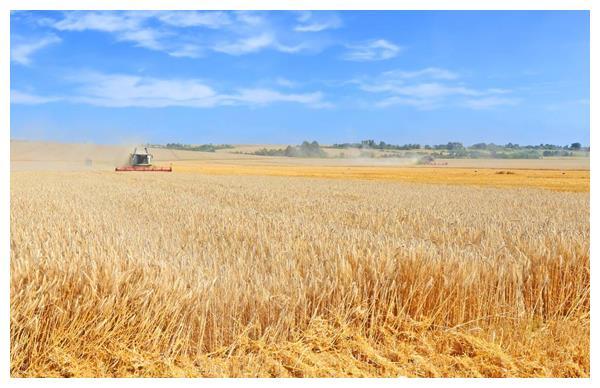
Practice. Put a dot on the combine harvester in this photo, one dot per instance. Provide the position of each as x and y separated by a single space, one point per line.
142 161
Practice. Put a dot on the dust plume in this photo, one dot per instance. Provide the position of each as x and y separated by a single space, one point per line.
52 156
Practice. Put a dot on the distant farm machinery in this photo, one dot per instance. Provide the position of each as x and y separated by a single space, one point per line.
142 161
429 160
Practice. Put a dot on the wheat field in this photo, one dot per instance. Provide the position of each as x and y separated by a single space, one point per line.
187 274
552 179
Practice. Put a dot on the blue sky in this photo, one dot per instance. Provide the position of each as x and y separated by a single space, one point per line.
424 77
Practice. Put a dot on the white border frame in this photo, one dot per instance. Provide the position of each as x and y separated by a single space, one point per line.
7 5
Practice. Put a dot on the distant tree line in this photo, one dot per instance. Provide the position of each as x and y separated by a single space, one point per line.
450 150
304 150
200 147
465 153
457 146
511 146
371 144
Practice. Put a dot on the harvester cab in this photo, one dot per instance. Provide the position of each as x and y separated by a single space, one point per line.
142 161
141 158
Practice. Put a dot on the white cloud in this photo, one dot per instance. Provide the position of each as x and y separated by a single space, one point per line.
187 50
21 52
376 50
123 90
285 82
176 32
291 49
246 45
423 90
418 83
498 91
251 18
24 98
397 100
430 72
126 26
315 27
182 19
257 43
490 102
430 88
267 96
143 37
117 90
100 21
315 22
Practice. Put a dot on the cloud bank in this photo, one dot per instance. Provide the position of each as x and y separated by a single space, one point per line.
123 90
22 51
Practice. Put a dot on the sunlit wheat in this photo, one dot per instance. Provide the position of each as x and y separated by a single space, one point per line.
191 275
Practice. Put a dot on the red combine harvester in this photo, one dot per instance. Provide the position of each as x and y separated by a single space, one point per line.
142 161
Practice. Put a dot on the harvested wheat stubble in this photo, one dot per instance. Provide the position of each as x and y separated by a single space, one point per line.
191 275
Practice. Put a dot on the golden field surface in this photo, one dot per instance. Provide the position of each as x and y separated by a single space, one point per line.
558 180
255 269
